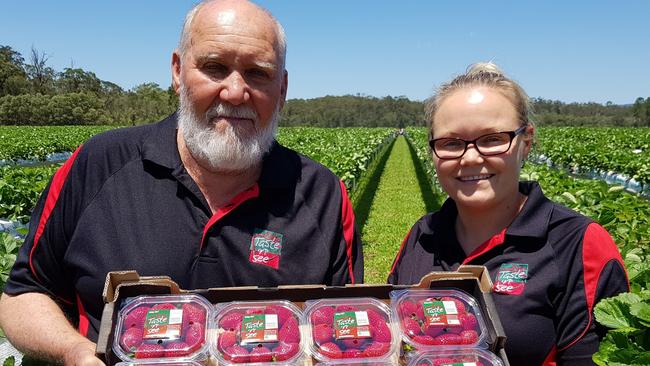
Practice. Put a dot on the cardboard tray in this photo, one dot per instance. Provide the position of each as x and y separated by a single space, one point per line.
474 280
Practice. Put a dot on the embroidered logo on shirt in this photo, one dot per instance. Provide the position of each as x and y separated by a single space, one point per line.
511 279
266 248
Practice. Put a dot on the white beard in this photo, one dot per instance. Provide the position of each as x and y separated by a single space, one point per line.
234 149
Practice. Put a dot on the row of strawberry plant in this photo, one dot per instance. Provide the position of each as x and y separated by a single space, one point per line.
37 142
597 151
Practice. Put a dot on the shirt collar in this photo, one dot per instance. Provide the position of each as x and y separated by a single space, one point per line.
160 146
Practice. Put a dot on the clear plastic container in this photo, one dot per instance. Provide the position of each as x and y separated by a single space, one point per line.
467 357
257 333
351 329
439 319
170 328
159 363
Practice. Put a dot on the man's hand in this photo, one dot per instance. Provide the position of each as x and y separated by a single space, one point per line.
82 354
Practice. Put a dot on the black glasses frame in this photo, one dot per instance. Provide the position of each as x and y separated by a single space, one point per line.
512 134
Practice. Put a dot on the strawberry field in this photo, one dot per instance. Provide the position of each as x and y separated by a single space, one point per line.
585 152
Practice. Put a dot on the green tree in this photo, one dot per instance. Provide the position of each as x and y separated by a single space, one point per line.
13 78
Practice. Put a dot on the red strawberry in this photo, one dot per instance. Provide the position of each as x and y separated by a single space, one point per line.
282 312
163 306
469 337
231 321
194 336
443 361
226 339
375 317
290 331
345 308
131 339
447 339
136 317
322 333
468 321
460 305
236 354
407 309
411 327
284 351
434 330
322 315
260 354
177 349
330 350
419 309
193 313
352 353
376 349
149 350
356 343
424 339
380 332
255 311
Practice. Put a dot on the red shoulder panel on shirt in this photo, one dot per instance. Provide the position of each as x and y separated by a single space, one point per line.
347 219
399 253
52 197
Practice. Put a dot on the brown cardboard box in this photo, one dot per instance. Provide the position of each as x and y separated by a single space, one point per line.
474 280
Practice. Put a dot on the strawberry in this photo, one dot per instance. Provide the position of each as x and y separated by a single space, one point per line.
282 312
322 333
444 361
260 354
290 331
469 337
424 339
149 350
407 309
236 354
163 306
345 308
136 317
468 321
193 313
375 317
131 339
447 339
226 339
356 343
322 315
177 349
419 309
284 351
352 353
330 350
434 330
376 349
411 327
231 321
194 336
460 305
380 332
254 311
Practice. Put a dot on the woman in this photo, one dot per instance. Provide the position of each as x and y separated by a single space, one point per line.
549 264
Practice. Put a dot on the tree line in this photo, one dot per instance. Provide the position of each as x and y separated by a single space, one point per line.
33 93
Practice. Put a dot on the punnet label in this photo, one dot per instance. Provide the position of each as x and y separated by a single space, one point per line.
351 325
259 328
163 323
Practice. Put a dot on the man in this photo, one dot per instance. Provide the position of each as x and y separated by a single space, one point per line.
219 203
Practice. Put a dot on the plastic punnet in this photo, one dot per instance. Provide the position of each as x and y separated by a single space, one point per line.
170 328
257 333
467 357
350 329
438 319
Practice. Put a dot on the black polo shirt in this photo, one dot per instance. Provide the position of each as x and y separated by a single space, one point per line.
549 268
124 201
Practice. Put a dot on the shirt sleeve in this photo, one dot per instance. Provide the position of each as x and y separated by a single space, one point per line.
349 266
603 275
39 266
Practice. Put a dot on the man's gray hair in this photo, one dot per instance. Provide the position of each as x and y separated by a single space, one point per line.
185 41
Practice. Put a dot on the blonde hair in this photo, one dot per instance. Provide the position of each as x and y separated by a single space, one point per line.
485 74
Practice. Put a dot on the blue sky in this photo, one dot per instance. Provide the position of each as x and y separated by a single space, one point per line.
574 51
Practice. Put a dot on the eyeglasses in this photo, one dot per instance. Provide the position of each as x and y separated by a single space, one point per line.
486 145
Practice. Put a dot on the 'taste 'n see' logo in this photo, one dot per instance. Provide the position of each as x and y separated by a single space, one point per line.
266 248
511 279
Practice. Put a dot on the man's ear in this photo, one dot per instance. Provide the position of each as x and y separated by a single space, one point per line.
283 90
176 71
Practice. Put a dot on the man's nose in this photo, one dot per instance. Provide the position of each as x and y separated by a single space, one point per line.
234 89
